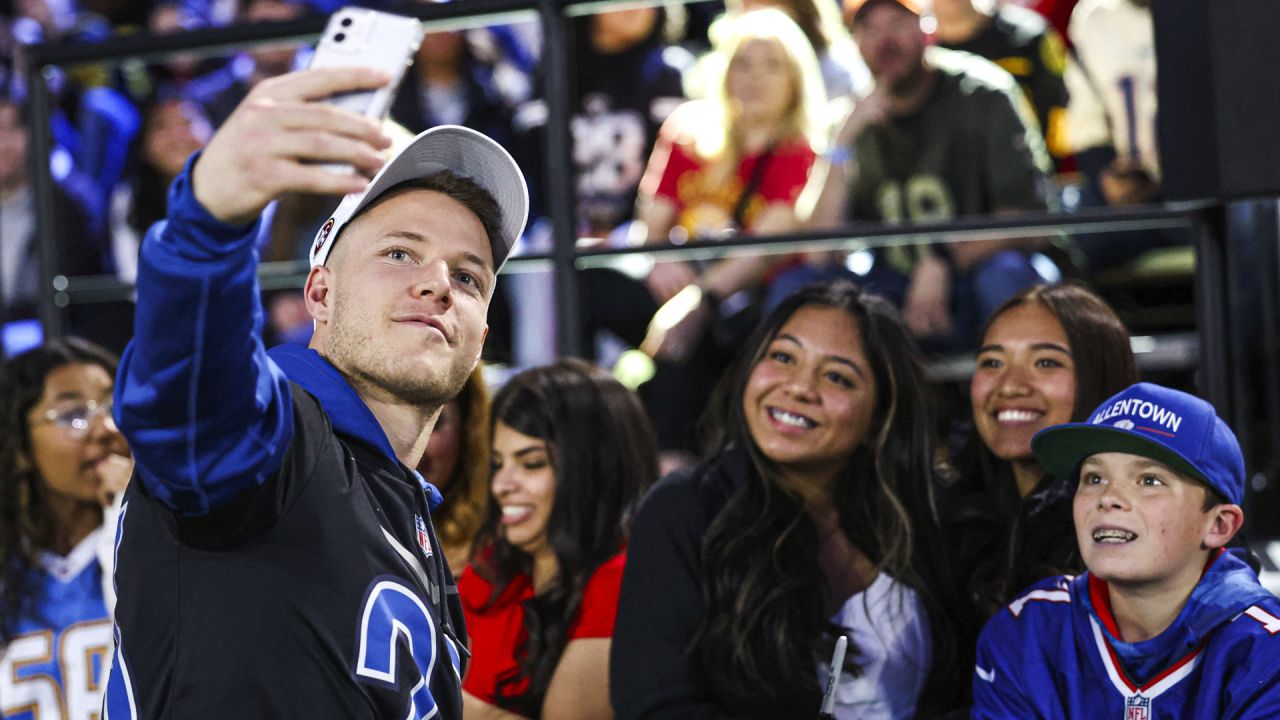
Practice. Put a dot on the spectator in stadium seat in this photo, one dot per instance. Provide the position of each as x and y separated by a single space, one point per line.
449 85
173 128
63 469
1022 42
627 80
80 243
1111 121
1050 355
843 72
945 134
813 517
734 162
572 453
456 461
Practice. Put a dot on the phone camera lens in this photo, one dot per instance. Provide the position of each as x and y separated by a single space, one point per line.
346 22
339 37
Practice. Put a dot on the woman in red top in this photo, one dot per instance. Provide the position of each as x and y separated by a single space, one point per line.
572 452
734 161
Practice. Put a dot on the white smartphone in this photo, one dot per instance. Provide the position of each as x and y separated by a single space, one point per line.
359 37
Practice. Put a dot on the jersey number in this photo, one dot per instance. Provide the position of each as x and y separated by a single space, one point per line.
81 658
1269 622
393 615
922 198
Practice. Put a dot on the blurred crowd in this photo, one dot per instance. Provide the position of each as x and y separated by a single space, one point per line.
689 121
829 499
811 481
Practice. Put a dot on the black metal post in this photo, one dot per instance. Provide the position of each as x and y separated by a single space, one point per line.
1265 500
53 318
558 167
1213 310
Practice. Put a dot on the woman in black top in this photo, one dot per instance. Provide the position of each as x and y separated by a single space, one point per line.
1049 355
742 570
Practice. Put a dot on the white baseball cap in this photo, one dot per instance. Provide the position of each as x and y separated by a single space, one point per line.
464 152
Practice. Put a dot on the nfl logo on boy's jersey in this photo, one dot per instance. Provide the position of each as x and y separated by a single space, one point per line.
424 538
1137 707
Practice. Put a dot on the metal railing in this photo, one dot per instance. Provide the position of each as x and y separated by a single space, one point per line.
1221 370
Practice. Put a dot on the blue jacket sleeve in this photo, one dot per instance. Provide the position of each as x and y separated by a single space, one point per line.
1248 674
998 692
206 413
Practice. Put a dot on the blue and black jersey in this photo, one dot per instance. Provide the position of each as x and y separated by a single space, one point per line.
274 558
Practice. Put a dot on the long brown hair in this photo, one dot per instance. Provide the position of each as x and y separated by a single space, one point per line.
1098 338
1041 544
761 581
25 526
466 497
604 454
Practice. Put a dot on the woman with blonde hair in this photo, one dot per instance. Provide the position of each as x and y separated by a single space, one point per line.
764 102
456 462
843 72
734 161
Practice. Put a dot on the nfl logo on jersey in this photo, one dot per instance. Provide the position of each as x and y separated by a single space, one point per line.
1137 708
424 540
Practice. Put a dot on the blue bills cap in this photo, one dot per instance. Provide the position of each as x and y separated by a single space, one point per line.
1169 426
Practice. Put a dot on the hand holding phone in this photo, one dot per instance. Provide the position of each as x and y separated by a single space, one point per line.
359 37
296 141
282 137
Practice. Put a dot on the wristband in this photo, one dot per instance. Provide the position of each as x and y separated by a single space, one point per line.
840 156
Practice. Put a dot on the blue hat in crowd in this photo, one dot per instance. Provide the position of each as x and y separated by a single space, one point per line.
1169 426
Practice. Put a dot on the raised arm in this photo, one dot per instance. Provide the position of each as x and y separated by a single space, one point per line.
827 196
206 413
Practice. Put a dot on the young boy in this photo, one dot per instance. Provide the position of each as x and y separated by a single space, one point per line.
1165 623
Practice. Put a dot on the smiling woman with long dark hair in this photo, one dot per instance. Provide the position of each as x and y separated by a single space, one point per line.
1049 355
572 453
813 518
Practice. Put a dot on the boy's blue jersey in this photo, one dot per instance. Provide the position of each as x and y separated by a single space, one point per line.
55 667
1055 653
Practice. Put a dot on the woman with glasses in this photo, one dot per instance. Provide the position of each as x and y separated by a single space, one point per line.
63 466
